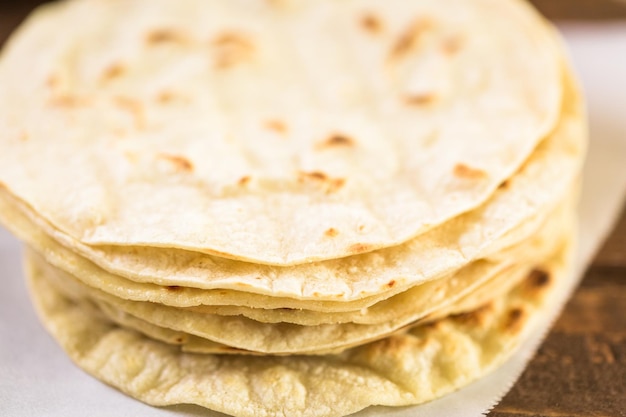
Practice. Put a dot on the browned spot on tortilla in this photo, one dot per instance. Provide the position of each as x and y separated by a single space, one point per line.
431 322
134 108
165 35
113 71
231 48
391 283
332 232
165 96
514 320
335 184
315 175
357 248
243 181
180 163
173 288
477 317
539 278
361 227
464 171
537 282
395 345
504 184
371 23
68 100
276 125
336 141
452 45
409 38
326 183
179 340
421 99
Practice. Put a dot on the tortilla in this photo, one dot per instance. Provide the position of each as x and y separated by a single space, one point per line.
320 333
419 365
511 215
369 310
289 132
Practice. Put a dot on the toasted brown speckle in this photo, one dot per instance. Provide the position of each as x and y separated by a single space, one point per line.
391 283
243 181
371 23
477 317
165 35
67 100
326 183
410 37
173 288
231 48
420 99
359 248
180 163
335 141
514 320
165 96
504 184
396 344
113 71
336 184
467 172
276 125
537 282
315 175
332 232
431 323
539 278
179 340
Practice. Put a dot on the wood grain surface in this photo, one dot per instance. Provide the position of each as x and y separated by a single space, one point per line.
580 370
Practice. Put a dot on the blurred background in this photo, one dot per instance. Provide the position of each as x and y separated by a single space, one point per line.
12 11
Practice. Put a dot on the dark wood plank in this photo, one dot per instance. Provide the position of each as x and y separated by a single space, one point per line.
582 9
580 370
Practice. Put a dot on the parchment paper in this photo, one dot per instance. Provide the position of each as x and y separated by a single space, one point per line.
37 378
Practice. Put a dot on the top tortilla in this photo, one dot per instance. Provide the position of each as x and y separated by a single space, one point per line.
271 132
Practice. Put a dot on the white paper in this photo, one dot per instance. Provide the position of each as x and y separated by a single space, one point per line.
37 378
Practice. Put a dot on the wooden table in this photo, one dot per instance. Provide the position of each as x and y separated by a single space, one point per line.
580 370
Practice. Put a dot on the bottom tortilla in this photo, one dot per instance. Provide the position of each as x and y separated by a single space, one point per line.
419 365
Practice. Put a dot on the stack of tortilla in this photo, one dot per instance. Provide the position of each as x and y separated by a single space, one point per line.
290 207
